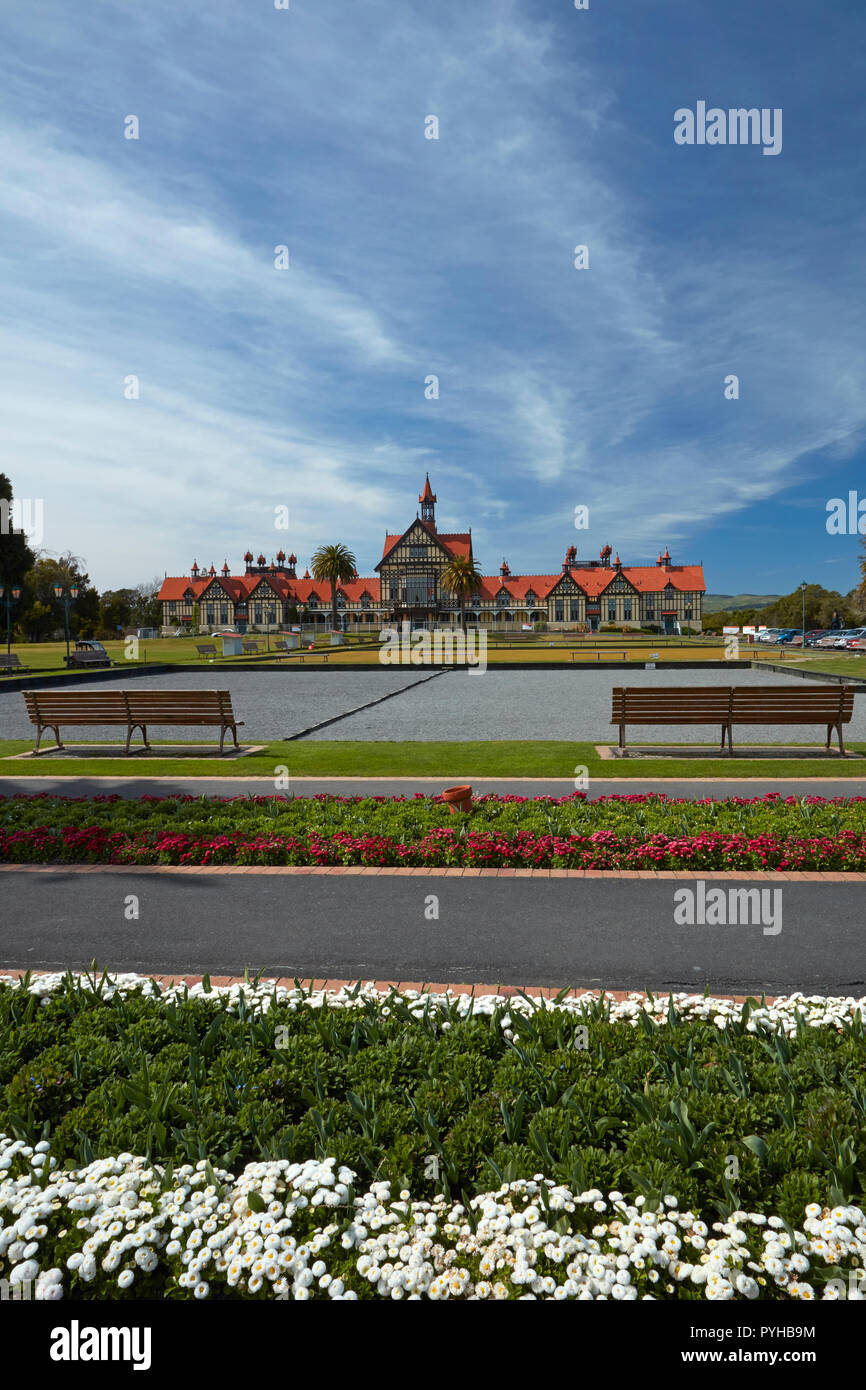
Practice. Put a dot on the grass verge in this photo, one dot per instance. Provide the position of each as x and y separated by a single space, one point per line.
357 758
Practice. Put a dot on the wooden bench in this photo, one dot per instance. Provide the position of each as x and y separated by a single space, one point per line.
251 647
831 705
134 709
11 663
206 649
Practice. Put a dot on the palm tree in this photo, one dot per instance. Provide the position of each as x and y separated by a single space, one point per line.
333 564
462 577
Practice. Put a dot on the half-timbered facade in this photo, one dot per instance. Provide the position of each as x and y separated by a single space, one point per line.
585 594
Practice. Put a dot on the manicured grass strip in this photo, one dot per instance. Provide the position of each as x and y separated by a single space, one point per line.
482 758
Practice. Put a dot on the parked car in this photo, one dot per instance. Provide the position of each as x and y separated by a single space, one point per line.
790 634
813 637
850 635
857 644
768 635
829 641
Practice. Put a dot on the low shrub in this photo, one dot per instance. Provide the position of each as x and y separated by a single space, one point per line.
646 831
443 1094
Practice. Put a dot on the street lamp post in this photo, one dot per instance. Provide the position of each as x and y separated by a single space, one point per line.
9 599
803 593
66 601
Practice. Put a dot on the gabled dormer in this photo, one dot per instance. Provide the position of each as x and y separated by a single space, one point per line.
216 590
263 590
619 584
566 584
422 543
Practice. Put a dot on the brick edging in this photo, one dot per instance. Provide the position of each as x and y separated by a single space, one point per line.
420 986
767 875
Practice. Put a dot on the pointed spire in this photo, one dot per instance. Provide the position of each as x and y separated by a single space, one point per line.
428 499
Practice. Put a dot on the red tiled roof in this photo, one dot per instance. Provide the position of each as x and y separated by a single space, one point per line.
645 579
354 588
175 588
455 542
233 587
458 542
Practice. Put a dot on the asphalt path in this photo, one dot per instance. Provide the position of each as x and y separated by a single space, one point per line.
613 934
407 786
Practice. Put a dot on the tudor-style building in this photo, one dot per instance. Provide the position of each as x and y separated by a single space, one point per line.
584 594
410 570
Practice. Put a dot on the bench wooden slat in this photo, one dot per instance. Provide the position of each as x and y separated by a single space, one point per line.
729 705
132 708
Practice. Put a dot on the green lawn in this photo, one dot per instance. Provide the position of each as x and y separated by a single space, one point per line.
834 665
306 758
45 658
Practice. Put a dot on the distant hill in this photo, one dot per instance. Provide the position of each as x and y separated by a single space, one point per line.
730 603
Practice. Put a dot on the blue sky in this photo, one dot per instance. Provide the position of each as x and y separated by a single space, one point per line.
409 257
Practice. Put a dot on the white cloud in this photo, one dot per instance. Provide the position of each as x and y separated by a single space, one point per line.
408 256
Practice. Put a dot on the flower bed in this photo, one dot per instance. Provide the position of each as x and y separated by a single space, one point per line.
123 1228
617 832
446 1097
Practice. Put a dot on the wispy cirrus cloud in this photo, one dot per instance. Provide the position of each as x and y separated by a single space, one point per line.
409 257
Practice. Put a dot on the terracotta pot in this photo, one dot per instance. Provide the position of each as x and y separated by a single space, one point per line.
458 799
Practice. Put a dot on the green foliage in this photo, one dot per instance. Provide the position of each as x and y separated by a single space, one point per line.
16 556
648 1110
407 819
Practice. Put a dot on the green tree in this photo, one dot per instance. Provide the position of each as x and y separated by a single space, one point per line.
787 611
115 610
462 577
146 609
42 613
16 557
333 564
821 603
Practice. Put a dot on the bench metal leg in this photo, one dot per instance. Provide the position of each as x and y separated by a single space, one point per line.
234 733
829 736
40 729
622 737
129 733
841 741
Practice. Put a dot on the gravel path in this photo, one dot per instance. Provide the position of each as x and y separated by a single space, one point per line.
458 706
